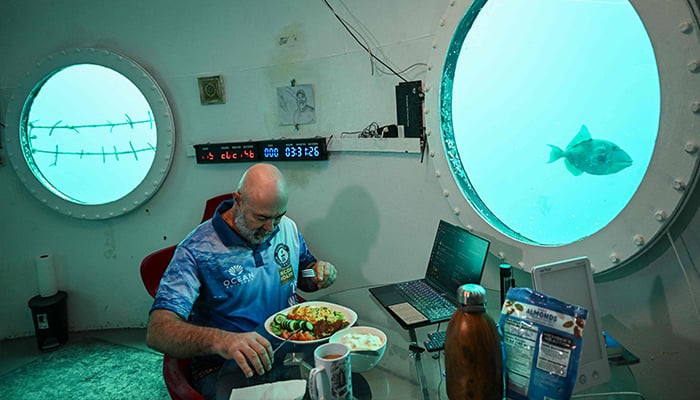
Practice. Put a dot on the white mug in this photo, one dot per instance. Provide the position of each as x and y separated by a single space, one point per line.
331 379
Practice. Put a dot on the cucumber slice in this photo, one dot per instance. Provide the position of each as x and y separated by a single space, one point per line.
279 319
295 325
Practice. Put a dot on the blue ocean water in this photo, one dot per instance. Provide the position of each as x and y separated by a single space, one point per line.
90 136
531 74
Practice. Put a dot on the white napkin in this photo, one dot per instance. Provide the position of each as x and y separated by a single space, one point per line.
284 390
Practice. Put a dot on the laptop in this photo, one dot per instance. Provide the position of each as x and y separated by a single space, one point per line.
572 281
457 258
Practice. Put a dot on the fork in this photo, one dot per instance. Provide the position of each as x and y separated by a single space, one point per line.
284 341
308 273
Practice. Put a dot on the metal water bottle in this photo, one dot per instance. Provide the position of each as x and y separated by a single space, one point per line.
473 358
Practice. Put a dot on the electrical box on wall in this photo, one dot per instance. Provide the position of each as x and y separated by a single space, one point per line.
409 107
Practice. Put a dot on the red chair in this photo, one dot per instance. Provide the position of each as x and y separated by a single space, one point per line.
212 203
176 372
153 266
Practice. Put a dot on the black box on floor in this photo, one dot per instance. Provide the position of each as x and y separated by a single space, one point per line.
409 107
50 317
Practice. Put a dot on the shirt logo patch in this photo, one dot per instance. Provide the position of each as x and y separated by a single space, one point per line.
238 277
235 270
282 255
286 275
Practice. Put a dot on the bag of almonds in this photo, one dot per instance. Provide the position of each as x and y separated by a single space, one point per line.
542 344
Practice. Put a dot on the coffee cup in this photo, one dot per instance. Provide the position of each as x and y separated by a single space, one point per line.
331 378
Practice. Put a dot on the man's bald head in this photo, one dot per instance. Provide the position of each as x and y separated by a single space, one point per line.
264 185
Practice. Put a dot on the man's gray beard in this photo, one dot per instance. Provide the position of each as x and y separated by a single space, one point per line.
247 233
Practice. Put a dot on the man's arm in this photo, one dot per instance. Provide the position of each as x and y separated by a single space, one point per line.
170 334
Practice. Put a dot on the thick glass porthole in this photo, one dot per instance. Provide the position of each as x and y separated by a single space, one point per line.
89 135
93 135
567 127
558 119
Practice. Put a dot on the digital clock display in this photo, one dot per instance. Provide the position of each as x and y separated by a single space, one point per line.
226 153
293 149
310 149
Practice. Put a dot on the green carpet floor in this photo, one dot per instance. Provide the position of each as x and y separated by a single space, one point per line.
88 369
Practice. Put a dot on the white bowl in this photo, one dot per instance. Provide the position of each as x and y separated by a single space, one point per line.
356 338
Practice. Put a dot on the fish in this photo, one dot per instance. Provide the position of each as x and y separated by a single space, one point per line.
592 156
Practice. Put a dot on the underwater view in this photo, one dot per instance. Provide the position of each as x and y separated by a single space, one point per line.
552 114
90 136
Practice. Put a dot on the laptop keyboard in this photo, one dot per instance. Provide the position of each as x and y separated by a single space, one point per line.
426 300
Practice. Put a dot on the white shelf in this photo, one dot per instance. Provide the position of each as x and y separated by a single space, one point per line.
385 145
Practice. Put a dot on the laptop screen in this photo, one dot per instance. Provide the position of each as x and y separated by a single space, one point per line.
458 257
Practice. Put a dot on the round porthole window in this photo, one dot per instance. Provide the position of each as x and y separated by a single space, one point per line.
90 133
557 124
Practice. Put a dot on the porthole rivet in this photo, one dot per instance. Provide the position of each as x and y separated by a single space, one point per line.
690 148
678 184
614 258
428 131
426 110
442 21
695 107
660 215
432 153
694 66
430 67
457 211
501 255
446 193
521 265
685 27
639 240
437 173
426 88
434 44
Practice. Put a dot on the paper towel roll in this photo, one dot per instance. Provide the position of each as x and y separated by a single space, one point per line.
46 275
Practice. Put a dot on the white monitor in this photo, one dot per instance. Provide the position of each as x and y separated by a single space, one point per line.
572 281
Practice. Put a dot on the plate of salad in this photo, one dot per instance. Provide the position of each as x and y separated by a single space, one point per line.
310 322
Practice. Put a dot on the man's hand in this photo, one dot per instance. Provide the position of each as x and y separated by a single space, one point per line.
249 350
170 334
325 274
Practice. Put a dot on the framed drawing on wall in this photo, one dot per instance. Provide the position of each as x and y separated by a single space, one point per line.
295 105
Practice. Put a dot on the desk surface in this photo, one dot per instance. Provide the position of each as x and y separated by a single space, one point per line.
396 375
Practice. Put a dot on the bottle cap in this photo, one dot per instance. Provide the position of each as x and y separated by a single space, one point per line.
472 297
505 269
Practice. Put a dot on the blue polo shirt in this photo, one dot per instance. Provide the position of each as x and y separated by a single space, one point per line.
217 279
